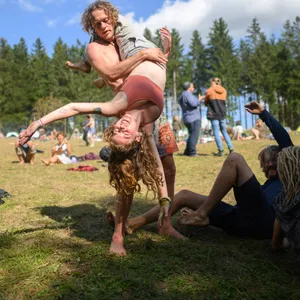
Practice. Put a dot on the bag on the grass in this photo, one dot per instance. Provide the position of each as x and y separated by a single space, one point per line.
3 194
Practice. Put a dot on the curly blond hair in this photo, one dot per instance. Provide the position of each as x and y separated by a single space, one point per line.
289 171
130 163
87 18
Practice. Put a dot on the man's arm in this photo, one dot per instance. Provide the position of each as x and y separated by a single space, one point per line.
280 134
192 101
112 72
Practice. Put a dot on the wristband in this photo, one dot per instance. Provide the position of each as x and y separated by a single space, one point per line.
165 201
40 123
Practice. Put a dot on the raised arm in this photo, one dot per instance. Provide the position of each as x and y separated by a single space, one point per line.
280 134
107 109
112 72
166 40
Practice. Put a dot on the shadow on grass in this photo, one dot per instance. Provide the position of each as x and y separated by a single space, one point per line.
87 220
210 265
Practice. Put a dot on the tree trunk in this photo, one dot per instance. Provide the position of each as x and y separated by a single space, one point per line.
174 104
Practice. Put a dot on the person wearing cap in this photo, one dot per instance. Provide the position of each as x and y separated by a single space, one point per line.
214 99
25 152
191 117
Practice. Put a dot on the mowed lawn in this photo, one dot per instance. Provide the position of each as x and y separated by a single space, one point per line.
54 238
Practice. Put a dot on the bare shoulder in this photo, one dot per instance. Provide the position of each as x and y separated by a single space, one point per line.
94 48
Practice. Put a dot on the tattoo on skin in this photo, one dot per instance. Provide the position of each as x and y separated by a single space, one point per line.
97 110
63 110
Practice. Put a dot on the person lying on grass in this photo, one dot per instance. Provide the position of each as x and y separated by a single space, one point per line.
253 216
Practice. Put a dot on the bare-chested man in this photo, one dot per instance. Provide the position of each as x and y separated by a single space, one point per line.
142 88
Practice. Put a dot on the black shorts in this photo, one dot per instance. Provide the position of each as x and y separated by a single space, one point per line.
251 216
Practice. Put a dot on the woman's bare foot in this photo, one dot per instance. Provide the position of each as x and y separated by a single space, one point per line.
81 66
168 229
99 83
111 221
25 136
46 162
190 217
117 245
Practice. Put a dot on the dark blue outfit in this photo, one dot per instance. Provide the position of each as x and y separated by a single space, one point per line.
85 132
191 119
253 215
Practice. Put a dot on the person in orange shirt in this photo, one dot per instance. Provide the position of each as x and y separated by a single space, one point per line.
214 99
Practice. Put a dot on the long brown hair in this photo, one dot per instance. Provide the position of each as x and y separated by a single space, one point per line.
87 18
130 163
289 171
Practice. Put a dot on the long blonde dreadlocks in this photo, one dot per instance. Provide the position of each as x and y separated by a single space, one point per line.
289 171
130 163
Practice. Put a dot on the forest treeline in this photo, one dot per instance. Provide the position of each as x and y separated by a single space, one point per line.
259 67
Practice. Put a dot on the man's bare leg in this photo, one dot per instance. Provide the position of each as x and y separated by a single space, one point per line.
83 66
21 159
31 158
183 198
235 171
99 83
123 205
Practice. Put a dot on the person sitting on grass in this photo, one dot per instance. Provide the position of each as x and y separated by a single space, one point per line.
60 152
260 130
253 216
287 203
25 152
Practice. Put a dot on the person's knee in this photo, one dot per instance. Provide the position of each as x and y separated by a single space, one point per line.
182 195
234 159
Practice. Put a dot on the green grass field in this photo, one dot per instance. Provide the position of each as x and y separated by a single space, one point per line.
54 239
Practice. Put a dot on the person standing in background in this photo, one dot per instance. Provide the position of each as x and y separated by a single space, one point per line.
92 131
176 127
191 117
214 99
86 130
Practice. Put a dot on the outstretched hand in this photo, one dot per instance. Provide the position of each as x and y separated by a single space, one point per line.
28 133
166 40
254 108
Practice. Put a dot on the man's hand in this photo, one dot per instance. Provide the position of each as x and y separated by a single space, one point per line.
254 108
201 97
155 54
166 40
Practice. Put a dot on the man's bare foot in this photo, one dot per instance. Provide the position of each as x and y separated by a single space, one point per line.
25 136
117 246
21 163
81 66
99 83
168 229
190 217
111 221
